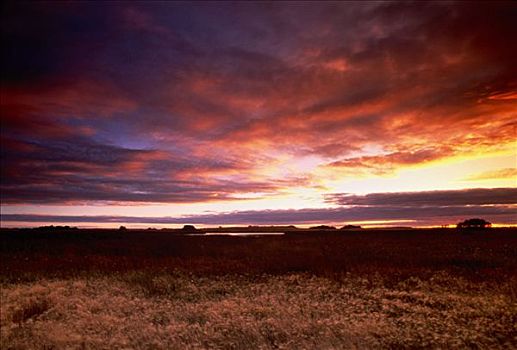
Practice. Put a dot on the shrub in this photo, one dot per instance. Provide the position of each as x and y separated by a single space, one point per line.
474 223
350 227
189 228
322 227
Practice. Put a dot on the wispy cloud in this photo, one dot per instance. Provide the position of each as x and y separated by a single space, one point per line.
506 173
424 208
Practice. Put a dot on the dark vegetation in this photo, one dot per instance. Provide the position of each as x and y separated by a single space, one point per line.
191 229
31 309
486 255
350 227
474 223
56 228
322 227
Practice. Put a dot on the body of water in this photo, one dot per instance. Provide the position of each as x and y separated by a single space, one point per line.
243 233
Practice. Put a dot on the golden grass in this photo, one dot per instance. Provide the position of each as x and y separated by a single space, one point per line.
176 310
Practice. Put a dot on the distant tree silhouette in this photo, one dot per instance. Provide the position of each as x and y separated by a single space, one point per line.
322 227
56 228
350 227
189 228
474 223
122 228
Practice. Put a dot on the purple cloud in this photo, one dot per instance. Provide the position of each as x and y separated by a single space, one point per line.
424 208
187 102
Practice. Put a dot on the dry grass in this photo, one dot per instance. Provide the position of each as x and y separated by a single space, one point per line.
398 290
31 308
293 311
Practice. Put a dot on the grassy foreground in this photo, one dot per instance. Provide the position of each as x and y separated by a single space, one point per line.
144 290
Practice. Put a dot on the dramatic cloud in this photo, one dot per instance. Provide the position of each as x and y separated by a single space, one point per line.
479 196
176 102
82 170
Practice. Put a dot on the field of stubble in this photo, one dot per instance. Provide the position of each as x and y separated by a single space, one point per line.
371 289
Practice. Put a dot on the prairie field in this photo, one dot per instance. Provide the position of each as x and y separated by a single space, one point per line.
369 289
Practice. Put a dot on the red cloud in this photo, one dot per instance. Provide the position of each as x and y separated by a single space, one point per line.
109 99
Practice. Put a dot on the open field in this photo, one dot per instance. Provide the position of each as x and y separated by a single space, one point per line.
151 289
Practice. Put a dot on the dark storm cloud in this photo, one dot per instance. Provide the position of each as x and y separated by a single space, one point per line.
213 89
42 40
447 198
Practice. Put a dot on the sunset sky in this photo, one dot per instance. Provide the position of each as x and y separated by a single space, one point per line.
216 113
